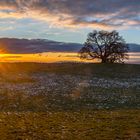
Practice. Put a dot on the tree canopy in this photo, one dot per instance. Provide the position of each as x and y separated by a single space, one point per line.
107 46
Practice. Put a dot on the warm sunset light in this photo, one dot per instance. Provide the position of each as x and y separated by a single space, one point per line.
43 57
69 69
2 49
40 26
68 20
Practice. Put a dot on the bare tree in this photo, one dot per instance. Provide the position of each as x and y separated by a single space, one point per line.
109 47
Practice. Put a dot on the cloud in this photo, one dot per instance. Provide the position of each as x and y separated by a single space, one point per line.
102 14
6 28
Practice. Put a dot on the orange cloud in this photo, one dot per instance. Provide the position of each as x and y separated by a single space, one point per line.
75 14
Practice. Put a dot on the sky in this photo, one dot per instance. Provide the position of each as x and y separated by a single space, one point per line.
69 20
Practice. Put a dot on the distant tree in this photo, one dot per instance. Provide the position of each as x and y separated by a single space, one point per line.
109 47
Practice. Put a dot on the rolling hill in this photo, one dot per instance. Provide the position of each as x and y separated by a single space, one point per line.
26 46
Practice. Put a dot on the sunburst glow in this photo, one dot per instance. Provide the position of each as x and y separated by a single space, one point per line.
43 57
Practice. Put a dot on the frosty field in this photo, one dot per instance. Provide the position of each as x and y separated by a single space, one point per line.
69 101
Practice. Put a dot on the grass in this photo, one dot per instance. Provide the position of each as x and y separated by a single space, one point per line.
107 70
88 125
69 101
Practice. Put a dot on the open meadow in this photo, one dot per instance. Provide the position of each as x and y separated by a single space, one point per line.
69 101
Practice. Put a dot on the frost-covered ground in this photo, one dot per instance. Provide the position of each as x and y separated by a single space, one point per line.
43 91
69 101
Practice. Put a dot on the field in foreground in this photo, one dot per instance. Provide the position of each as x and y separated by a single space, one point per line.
69 101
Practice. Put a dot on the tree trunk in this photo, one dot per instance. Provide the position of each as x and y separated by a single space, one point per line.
104 60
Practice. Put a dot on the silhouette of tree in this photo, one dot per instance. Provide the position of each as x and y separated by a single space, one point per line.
109 47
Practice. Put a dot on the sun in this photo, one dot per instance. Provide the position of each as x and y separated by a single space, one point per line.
2 50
